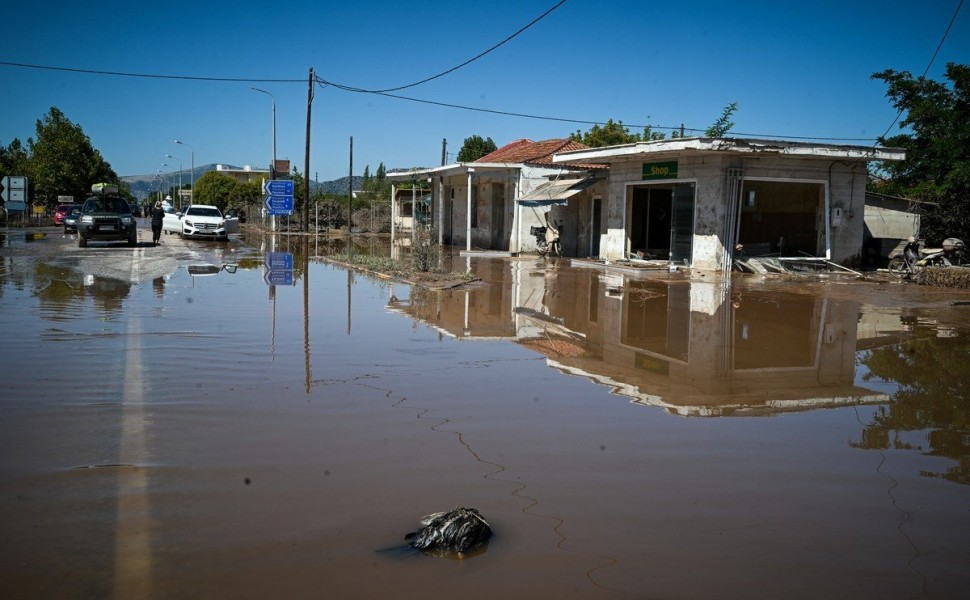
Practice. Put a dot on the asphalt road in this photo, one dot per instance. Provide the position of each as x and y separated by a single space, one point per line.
115 260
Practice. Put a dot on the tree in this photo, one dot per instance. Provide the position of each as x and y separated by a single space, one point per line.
937 164
610 134
62 160
13 159
214 188
723 123
474 148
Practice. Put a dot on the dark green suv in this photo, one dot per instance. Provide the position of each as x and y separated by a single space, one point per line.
106 218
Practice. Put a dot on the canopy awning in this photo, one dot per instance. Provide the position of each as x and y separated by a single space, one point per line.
556 192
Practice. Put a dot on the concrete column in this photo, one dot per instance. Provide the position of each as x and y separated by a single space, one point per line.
468 213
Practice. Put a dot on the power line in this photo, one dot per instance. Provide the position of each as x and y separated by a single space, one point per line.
147 75
324 82
455 68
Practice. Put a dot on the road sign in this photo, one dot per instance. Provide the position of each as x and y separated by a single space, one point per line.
279 260
278 187
274 277
278 205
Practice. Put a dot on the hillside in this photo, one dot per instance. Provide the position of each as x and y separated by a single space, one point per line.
143 186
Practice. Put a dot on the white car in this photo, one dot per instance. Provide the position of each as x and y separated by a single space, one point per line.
201 221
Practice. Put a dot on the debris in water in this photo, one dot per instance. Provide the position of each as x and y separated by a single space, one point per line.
459 530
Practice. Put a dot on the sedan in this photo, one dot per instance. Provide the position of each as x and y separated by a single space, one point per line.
70 220
203 221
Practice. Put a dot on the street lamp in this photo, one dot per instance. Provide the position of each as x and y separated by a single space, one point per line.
191 174
272 168
169 178
180 176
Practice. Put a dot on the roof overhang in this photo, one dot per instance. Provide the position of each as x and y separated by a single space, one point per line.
557 192
679 146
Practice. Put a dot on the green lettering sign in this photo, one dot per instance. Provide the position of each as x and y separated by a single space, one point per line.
660 170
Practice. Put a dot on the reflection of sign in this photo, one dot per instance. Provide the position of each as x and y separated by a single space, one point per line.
279 196
278 277
279 268
279 260
651 364
660 170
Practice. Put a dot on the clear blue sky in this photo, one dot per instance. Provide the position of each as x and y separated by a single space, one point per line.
794 68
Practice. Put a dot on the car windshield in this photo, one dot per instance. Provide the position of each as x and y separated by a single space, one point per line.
109 204
198 211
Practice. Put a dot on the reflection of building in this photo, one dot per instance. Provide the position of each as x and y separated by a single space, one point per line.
689 347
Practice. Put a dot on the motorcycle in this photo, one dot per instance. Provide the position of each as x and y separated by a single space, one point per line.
547 240
914 259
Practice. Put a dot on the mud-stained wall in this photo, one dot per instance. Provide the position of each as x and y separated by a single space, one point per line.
843 185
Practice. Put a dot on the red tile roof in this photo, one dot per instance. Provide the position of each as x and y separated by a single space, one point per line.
527 151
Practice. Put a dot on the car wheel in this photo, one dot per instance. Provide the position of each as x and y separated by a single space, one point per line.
82 241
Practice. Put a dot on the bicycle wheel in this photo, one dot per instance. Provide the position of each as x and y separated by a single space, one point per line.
898 267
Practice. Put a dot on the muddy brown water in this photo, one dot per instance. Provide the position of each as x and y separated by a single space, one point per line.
627 435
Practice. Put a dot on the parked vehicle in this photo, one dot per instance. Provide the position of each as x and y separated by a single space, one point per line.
106 216
171 222
202 221
70 220
547 240
914 258
60 212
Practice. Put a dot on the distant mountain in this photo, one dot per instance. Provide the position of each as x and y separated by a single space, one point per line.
143 186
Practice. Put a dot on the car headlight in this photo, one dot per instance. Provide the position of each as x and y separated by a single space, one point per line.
87 219
187 222
126 220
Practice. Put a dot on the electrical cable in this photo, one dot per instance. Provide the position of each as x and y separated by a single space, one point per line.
147 75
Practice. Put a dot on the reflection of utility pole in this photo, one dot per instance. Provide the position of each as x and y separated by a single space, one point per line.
350 281
272 297
306 317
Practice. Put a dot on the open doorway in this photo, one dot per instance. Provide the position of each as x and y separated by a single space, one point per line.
661 224
782 218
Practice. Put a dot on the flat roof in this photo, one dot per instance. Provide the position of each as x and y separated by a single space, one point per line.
678 146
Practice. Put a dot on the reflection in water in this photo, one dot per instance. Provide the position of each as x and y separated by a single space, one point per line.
930 412
688 347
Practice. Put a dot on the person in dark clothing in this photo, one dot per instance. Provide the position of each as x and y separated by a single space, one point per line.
157 215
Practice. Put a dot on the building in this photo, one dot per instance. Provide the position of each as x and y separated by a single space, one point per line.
245 174
486 204
693 200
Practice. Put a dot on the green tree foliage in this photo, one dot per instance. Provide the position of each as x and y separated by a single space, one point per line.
376 188
474 148
723 123
13 159
937 165
214 188
62 160
614 133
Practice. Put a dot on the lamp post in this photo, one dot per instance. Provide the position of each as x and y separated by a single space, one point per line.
272 165
272 169
191 174
180 177
168 178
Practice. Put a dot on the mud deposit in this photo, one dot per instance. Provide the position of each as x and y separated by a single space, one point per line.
203 434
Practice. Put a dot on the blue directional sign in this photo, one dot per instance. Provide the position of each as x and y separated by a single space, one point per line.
272 277
282 261
278 187
279 196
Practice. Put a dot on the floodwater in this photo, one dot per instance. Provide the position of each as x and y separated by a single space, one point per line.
201 433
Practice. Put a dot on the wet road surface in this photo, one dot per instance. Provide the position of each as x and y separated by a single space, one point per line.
176 432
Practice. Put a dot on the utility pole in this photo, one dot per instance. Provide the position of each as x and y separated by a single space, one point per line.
444 151
306 161
350 191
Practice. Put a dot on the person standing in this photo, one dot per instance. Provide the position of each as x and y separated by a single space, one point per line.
157 216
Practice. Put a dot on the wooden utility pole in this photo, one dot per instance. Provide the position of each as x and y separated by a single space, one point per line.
306 162
350 191
444 151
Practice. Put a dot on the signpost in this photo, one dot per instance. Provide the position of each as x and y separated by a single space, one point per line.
15 194
279 197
